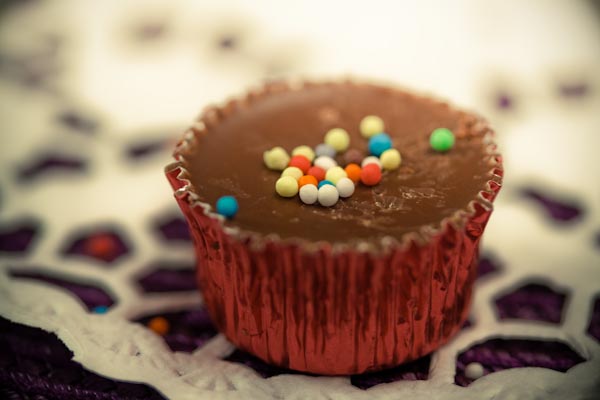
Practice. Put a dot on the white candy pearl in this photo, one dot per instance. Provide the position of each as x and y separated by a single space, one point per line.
328 195
371 160
309 194
474 370
345 187
325 162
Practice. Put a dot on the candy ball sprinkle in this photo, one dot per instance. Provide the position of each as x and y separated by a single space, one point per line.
276 158
317 172
286 186
379 143
338 138
371 125
307 180
305 151
227 206
309 194
328 195
300 162
353 172
353 156
334 174
325 182
370 175
441 139
325 162
324 150
371 160
294 172
390 159
345 187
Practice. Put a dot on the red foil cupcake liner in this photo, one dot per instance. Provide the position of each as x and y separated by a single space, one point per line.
329 310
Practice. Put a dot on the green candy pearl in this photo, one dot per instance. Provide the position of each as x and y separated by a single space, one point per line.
441 139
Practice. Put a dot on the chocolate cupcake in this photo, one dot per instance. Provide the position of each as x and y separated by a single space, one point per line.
382 277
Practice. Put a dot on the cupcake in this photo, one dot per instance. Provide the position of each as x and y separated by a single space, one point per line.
371 281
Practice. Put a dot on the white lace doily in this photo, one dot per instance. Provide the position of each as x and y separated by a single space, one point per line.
141 85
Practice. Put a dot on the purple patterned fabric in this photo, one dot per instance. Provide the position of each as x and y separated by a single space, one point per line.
51 163
594 326
487 264
105 245
36 365
78 122
188 330
262 368
18 237
89 295
504 101
165 278
499 354
411 371
532 302
556 209
145 149
574 90
173 229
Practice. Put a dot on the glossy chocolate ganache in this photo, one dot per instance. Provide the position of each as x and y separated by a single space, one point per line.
227 159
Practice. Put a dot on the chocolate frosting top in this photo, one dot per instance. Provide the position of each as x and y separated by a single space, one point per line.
226 158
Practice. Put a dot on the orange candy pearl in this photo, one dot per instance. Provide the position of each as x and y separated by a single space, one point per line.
370 175
307 180
353 172
160 325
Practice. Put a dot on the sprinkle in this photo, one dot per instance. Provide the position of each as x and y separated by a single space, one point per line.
338 138
335 174
441 139
353 172
301 162
305 151
100 310
227 206
294 172
474 370
317 172
371 125
325 162
309 194
345 187
328 195
379 143
276 158
390 159
325 150
159 325
307 180
286 186
353 156
371 160
370 175
325 182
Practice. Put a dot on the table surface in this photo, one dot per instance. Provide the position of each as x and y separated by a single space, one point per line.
95 256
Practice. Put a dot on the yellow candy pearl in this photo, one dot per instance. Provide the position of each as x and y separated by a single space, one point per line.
390 159
304 151
334 174
276 158
338 138
286 186
371 125
294 172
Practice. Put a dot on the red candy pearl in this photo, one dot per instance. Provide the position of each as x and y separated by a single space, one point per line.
301 162
317 172
370 174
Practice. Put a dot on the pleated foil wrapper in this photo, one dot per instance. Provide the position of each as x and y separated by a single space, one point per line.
331 311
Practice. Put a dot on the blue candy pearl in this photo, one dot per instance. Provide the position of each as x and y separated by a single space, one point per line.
100 309
227 206
379 143
325 182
